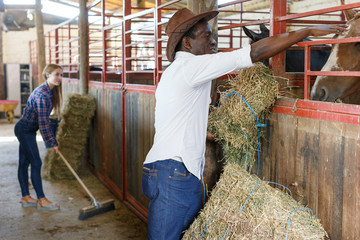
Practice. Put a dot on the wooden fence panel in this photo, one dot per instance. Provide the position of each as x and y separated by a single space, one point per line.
319 161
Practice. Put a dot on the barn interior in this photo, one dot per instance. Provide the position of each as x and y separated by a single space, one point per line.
115 51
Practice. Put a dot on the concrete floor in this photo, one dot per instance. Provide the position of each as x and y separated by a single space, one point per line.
29 223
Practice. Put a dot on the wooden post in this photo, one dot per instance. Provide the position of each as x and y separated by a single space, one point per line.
2 79
84 48
200 6
40 40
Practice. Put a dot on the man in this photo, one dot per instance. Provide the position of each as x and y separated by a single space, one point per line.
174 166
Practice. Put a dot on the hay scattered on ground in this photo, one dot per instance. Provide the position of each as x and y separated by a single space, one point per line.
264 216
72 137
228 122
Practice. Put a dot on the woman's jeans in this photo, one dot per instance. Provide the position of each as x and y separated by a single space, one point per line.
28 155
175 198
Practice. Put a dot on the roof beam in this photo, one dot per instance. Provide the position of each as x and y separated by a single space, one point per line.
19 7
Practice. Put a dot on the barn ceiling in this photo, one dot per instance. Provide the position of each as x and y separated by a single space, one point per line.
116 5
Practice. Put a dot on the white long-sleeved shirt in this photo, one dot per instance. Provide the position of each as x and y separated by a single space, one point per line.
182 105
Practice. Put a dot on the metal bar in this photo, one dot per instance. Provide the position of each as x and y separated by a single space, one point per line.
329 41
136 207
345 113
56 43
277 8
145 26
318 12
231 3
125 40
139 57
166 4
334 73
113 26
250 23
150 89
139 14
306 72
69 35
103 80
315 21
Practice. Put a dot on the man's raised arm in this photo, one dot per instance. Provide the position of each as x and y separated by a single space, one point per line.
271 46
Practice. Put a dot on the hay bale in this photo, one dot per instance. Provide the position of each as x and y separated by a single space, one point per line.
264 216
72 137
232 119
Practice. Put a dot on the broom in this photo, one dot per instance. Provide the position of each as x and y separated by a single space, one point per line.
96 207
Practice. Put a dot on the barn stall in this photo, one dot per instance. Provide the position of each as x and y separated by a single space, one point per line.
310 147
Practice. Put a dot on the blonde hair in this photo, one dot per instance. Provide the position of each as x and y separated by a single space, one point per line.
56 92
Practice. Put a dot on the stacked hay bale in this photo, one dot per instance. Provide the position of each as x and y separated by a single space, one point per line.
72 137
242 206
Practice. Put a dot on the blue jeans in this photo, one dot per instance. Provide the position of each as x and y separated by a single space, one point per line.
175 198
28 155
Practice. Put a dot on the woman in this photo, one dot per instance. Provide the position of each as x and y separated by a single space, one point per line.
36 116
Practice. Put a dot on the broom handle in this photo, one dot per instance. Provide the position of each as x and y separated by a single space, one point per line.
77 177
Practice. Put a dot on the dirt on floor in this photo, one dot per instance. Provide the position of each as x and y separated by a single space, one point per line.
29 223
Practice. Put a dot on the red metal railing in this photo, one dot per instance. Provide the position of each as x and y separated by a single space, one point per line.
309 73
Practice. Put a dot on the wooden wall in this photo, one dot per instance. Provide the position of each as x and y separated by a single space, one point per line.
320 162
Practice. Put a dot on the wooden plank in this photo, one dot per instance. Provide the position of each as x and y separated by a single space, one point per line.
331 157
286 149
290 145
268 144
350 210
306 170
357 193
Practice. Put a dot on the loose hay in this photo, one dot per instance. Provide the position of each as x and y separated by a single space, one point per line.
72 137
228 122
264 216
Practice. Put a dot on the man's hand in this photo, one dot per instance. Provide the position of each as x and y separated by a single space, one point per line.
321 30
210 136
56 149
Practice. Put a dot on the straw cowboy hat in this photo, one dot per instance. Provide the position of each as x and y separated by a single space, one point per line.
179 24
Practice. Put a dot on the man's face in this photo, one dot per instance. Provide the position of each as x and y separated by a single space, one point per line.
204 43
